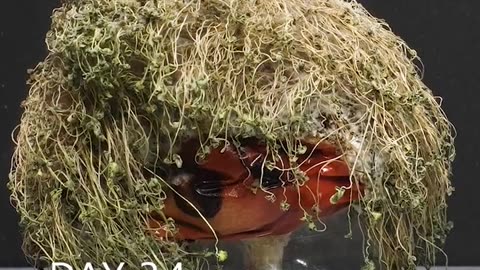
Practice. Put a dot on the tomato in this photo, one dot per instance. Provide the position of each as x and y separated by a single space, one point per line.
224 192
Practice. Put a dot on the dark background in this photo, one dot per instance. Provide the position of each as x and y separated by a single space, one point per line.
446 34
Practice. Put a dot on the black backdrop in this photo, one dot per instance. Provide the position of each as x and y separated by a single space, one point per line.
446 34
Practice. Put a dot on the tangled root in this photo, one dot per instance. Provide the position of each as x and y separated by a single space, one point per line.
127 81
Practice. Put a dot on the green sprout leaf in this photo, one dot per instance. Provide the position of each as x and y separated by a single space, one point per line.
335 198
